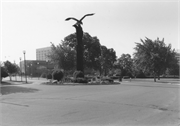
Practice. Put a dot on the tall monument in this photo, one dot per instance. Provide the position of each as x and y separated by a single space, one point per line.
79 45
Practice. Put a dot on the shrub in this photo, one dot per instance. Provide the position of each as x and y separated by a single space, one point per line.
43 75
114 77
3 73
78 74
80 80
57 74
49 76
141 75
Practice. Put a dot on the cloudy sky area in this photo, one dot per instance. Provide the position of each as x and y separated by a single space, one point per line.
28 25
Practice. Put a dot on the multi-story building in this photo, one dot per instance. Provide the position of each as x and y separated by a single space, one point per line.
178 56
42 53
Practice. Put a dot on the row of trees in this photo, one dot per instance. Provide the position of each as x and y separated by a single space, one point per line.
151 58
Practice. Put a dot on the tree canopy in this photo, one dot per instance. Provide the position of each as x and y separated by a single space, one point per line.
64 54
11 68
124 63
150 57
3 72
107 59
91 48
153 56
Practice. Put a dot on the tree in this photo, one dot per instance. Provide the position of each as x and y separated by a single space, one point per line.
11 68
107 59
91 48
3 72
63 56
174 65
92 53
124 63
153 56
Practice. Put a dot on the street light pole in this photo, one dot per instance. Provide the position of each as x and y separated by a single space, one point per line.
20 68
15 73
25 65
38 70
31 70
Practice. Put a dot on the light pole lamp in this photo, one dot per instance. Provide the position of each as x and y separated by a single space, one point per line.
38 74
47 65
24 52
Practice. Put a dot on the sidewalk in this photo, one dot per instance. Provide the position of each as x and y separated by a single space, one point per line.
151 80
17 81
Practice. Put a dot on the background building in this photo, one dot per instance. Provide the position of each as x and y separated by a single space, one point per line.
178 55
36 68
42 53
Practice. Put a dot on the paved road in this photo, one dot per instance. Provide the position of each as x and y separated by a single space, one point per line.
127 104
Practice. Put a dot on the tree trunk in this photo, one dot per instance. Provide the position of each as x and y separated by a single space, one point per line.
154 78
16 77
10 78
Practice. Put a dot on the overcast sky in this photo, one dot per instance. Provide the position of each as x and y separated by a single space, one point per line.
28 25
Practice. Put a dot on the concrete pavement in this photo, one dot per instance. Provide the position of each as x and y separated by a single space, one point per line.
127 104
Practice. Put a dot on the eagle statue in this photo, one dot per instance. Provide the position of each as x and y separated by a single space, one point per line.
78 21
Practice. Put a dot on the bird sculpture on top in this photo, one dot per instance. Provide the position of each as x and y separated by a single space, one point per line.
79 22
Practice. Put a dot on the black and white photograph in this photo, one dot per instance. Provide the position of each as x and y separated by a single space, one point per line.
90 63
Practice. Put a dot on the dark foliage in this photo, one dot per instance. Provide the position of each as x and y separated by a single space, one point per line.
107 59
63 56
78 74
80 80
3 72
91 49
153 56
58 74
49 76
10 67
125 63
43 75
140 74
